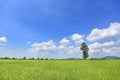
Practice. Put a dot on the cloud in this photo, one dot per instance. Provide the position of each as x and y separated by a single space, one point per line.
106 44
73 50
47 49
77 38
61 47
68 49
107 48
99 34
64 41
50 49
44 46
3 42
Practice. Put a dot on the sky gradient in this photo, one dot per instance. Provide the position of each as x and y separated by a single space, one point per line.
56 28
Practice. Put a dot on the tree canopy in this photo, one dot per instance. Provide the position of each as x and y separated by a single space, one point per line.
85 50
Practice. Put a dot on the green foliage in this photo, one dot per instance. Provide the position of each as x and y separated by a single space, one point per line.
32 58
24 58
85 50
4 58
38 58
59 70
14 58
46 58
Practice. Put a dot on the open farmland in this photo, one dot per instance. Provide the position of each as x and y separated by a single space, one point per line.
59 69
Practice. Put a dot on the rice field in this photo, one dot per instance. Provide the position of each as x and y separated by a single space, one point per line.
59 69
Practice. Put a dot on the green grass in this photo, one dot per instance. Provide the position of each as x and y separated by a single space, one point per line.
59 69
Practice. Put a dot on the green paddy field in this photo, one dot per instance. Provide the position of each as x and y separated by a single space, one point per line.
59 69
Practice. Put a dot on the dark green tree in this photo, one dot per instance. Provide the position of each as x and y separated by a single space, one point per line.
6 58
14 58
32 58
24 58
38 58
85 50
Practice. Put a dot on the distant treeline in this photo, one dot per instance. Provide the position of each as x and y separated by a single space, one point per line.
102 58
24 58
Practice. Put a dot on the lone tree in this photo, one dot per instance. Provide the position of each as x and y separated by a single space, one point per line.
24 58
85 50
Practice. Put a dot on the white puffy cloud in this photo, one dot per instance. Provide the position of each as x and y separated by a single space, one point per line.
49 48
52 50
61 47
77 38
68 49
73 50
64 41
43 47
3 42
106 44
107 48
99 34
112 51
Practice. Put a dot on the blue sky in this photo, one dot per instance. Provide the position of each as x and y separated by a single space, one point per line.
56 28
